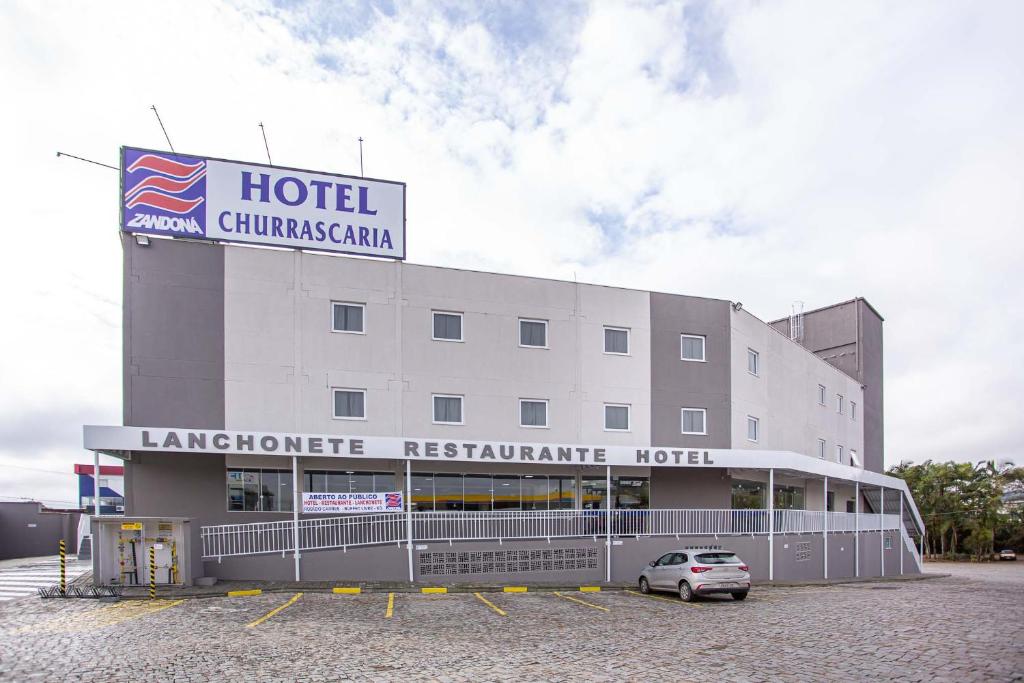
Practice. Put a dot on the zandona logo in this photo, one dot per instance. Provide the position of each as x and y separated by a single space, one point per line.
167 223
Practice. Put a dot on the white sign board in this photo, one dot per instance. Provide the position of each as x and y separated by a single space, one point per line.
320 503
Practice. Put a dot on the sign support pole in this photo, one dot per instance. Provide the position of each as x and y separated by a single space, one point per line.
608 522
296 502
771 524
881 525
408 514
97 579
901 533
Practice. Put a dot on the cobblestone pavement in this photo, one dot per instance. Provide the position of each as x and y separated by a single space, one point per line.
968 627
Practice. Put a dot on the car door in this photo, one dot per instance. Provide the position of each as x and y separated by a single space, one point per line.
659 571
674 570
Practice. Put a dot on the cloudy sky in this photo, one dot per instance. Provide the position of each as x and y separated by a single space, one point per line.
757 151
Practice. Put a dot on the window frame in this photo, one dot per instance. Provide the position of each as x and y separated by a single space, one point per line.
840 401
462 326
822 394
757 429
822 448
840 452
259 498
334 404
335 330
703 347
433 409
853 411
752 353
682 421
547 413
519 333
629 417
604 340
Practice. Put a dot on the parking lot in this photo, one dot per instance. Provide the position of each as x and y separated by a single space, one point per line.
966 627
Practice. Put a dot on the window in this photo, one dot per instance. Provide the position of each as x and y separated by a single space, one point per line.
821 394
854 460
830 501
447 409
839 403
789 498
627 493
691 347
259 490
533 333
447 326
694 421
821 448
753 428
348 317
851 506
533 412
616 418
853 410
492 492
748 495
329 481
350 404
616 340
888 542
753 362
839 453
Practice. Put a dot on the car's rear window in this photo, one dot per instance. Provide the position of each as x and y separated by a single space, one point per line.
718 558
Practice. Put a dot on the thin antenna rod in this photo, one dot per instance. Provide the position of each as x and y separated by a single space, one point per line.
88 161
361 174
265 145
160 121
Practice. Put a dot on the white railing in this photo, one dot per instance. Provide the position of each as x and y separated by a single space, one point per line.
343 531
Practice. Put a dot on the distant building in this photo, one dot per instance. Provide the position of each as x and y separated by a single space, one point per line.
30 529
111 489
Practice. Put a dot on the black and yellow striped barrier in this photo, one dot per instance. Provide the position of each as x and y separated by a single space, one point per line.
63 568
152 573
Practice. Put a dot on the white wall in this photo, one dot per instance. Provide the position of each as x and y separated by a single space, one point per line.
784 395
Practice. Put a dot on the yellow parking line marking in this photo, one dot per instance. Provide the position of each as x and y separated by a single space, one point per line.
590 589
582 602
658 597
274 611
107 615
434 589
490 604
514 589
391 606
242 594
347 590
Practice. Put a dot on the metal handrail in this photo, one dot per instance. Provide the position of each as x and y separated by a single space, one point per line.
343 531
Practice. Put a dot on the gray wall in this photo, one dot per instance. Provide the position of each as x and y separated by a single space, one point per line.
173 334
21 540
674 488
678 384
872 378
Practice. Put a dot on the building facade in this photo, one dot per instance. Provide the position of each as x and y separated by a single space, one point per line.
111 483
668 421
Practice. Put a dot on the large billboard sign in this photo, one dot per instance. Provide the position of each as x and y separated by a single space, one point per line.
178 195
319 503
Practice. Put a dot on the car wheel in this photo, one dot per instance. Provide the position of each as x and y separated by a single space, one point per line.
685 592
739 596
644 586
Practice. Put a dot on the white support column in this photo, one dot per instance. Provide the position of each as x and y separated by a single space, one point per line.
856 529
97 580
608 522
881 525
824 525
771 524
408 514
901 533
296 505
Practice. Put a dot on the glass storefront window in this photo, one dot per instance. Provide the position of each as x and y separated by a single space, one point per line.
631 493
253 490
477 492
534 492
422 493
789 498
349 482
748 495
448 492
561 493
594 493
508 493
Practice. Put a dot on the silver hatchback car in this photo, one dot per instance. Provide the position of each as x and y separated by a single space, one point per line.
697 572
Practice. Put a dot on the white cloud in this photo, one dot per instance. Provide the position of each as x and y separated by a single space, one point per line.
762 152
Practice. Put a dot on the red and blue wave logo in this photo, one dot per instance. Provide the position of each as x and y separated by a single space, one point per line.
163 193
393 500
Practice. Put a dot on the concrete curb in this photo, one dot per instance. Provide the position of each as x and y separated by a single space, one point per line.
255 588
